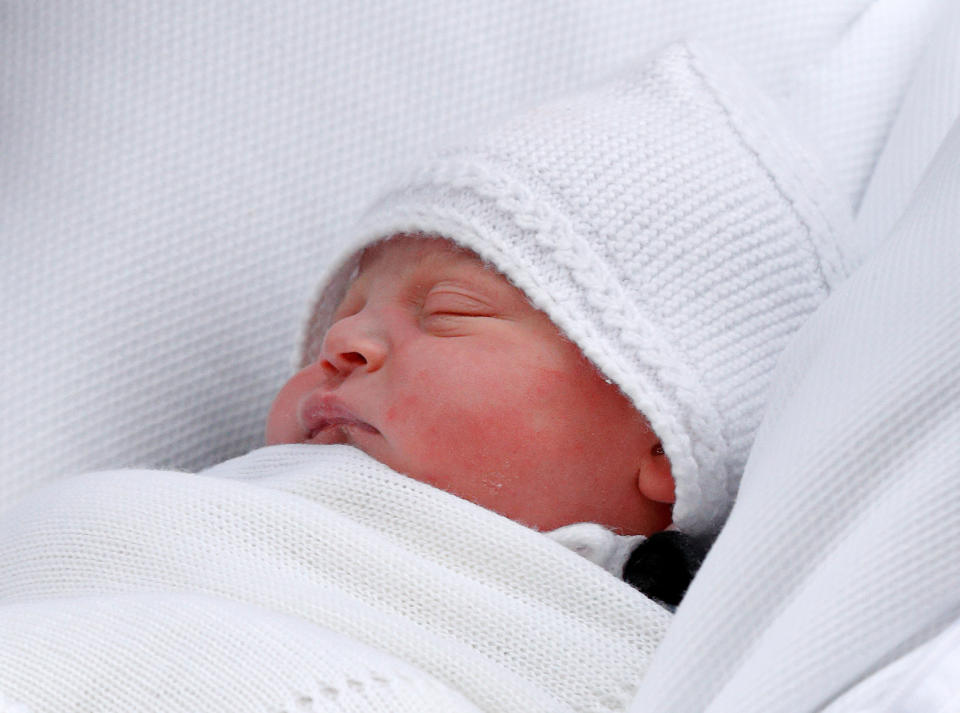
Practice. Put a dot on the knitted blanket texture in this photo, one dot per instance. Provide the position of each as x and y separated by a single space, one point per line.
302 578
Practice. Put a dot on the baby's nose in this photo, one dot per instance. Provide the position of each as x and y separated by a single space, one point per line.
353 343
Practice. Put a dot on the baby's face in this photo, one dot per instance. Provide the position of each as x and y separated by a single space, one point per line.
438 367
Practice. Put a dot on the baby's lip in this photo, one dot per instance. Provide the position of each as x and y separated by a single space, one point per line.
324 416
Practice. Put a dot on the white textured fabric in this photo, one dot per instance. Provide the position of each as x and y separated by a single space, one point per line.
598 544
840 554
176 175
930 105
197 583
187 652
927 680
878 51
668 223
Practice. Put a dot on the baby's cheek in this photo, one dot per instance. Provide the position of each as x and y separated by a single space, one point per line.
552 399
476 419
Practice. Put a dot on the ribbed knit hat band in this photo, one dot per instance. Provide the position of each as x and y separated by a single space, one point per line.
667 224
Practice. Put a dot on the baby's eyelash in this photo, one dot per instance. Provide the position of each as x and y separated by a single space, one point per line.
456 304
447 324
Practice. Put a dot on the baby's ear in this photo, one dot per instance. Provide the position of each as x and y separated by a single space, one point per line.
654 478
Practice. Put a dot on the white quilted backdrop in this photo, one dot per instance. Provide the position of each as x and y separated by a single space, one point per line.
174 175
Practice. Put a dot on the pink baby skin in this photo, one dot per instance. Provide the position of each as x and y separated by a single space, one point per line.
438 367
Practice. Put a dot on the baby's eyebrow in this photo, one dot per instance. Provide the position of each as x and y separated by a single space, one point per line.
473 289
475 276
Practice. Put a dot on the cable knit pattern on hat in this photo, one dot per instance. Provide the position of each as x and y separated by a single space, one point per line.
667 223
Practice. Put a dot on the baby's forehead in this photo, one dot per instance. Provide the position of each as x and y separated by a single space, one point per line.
428 254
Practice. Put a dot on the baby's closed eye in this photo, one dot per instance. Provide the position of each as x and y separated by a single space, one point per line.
447 311
451 302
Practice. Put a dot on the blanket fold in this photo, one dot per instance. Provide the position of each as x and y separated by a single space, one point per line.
304 538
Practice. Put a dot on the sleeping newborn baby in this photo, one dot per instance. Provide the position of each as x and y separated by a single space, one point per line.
565 326
573 318
438 367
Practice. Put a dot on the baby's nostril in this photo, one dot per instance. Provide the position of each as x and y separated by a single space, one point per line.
355 358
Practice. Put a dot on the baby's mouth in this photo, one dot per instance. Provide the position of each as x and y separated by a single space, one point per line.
337 431
326 420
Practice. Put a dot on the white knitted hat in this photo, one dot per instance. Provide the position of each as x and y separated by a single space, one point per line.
666 223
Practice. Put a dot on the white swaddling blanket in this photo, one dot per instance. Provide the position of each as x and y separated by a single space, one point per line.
113 579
